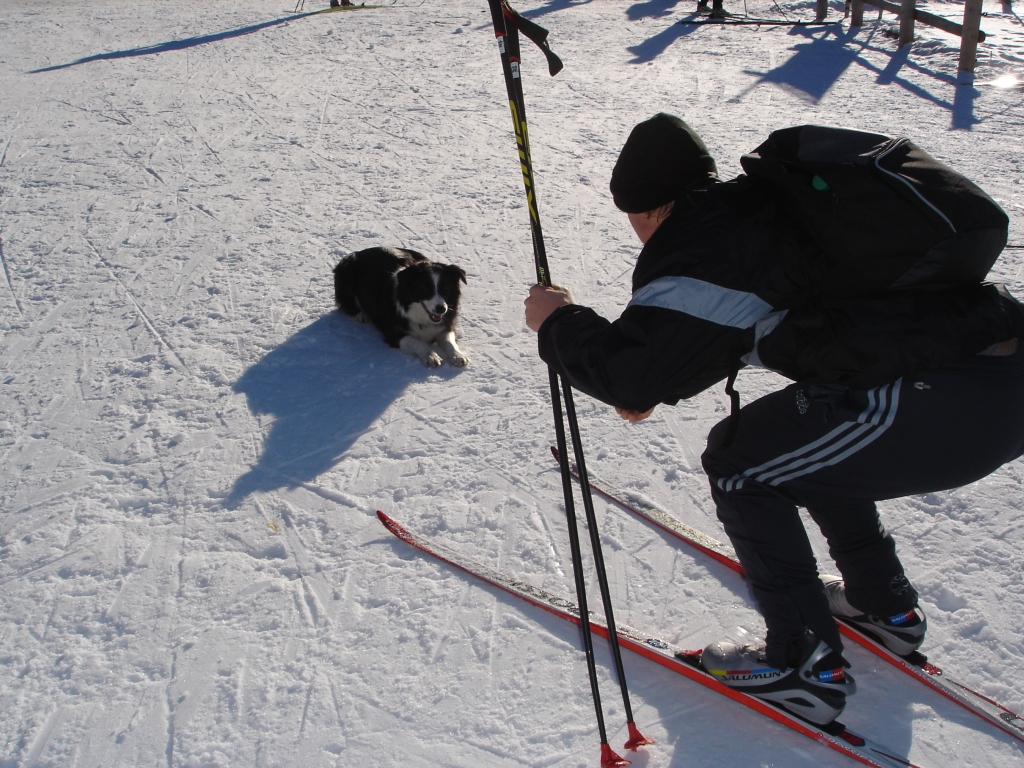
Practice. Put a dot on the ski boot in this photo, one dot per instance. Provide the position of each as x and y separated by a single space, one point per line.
902 633
815 688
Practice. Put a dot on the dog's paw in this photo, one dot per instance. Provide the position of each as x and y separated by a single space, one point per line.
452 353
432 360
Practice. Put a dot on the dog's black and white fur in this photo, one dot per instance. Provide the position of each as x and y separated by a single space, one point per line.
411 300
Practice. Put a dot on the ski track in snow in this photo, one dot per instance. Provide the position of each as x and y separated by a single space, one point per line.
192 444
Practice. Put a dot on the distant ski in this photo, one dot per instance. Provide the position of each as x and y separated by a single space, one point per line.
334 8
916 664
836 736
752 21
359 7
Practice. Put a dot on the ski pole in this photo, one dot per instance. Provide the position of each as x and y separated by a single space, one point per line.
513 24
508 45
507 24
636 739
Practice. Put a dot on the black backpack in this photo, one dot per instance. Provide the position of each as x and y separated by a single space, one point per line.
885 213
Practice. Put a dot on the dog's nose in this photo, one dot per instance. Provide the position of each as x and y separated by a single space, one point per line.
440 309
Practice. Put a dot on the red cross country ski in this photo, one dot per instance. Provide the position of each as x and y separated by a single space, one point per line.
834 735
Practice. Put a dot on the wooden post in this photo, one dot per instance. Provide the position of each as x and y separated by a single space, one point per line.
969 41
924 17
822 10
857 13
907 22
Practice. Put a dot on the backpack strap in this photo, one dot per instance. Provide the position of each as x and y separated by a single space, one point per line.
734 397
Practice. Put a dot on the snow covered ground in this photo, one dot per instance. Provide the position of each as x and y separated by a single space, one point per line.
193 445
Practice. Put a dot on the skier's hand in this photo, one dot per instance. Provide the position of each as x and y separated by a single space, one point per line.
542 301
634 416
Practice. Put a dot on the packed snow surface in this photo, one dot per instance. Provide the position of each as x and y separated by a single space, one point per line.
193 443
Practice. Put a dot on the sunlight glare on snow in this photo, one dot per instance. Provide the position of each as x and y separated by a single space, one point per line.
1006 81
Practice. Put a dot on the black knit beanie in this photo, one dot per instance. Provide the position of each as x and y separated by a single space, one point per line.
662 158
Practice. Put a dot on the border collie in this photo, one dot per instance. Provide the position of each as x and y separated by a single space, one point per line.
411 300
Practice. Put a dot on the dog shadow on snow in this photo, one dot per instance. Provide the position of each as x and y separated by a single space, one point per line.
323 388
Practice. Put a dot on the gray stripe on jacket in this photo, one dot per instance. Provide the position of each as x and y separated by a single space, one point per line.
706 301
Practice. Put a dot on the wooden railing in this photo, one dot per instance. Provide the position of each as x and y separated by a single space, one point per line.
969 32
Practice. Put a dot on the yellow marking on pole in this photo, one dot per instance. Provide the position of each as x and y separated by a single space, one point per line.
523 143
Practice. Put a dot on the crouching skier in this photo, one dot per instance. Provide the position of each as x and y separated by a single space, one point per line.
910 386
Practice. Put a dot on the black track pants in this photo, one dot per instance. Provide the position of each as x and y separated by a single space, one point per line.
836 451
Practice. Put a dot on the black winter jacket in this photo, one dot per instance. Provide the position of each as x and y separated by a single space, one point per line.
729 279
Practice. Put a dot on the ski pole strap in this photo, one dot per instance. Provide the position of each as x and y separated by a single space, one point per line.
536 33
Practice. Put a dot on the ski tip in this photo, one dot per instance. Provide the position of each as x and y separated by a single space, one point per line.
636 739
611 760
554 452
392 525
399 530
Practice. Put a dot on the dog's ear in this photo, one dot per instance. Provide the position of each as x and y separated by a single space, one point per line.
456 272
